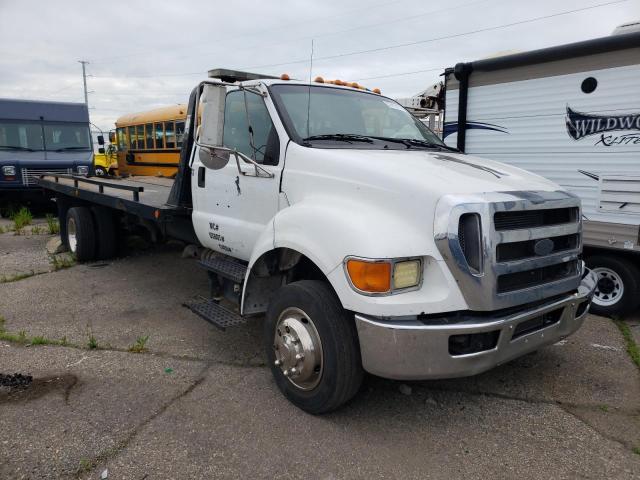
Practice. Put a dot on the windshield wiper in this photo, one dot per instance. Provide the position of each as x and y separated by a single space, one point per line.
12 147
70 148
414 142
343 137
428 144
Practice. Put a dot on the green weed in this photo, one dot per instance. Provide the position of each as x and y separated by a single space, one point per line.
52 224
140 345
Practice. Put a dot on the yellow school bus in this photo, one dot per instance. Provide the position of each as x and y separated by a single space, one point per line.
149 142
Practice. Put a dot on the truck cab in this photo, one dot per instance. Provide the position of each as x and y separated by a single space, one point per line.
38 137
369 243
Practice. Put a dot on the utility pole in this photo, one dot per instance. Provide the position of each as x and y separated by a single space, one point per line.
84 81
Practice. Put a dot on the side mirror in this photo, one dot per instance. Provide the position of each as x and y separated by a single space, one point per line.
101 150
100 140
214 158
112 137
213 102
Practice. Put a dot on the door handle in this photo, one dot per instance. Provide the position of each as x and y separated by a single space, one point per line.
201 176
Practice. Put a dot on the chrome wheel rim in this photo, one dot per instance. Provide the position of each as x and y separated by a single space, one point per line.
298 349
72 235
609 289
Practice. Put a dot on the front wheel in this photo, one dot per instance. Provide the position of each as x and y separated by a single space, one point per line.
618 288
312 347
100 172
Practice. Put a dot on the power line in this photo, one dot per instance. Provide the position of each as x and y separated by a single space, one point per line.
388 47
277 27
399 74
445 37
288 41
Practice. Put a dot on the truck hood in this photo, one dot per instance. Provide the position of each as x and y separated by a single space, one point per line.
411 172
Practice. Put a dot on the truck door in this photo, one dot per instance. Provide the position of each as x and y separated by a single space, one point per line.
234 201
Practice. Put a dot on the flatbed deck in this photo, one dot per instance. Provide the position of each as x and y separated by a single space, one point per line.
146 197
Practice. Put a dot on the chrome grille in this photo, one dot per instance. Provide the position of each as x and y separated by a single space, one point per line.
30 175
531 244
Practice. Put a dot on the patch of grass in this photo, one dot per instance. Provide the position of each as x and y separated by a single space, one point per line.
632 347
22 338
16 277
140 345
604 408
636 450
37 230
85 465
21 219
60 262
52 224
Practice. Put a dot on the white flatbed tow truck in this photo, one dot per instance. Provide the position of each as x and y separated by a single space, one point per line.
366 242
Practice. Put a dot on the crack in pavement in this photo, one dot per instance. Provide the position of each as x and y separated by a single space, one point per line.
564 406
124 443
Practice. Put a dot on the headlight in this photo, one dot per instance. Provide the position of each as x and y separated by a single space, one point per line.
406 274
83 170
379 277
9 171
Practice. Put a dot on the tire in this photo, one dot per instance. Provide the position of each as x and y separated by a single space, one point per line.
618 288
106 233
80 234
100 172
334 370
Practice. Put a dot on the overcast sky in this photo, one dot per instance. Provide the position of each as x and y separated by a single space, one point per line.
147 54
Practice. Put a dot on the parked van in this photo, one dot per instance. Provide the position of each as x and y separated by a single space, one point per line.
569 113
37 137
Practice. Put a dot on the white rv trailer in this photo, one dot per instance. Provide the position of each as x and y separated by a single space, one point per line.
570 113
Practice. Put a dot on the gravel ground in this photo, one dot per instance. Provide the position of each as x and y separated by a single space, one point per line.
201 404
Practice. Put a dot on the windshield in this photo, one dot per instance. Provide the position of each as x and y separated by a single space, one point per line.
333 112
34 136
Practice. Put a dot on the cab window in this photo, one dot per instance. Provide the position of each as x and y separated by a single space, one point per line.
237 118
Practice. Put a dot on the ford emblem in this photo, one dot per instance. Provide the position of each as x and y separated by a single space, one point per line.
543 247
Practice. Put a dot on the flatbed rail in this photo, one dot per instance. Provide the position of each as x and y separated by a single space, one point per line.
144 197
101 184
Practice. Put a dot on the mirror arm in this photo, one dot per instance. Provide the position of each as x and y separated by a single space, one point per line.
259 168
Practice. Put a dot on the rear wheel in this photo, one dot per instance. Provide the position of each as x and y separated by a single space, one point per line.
106 233
80 233
618 288
312 347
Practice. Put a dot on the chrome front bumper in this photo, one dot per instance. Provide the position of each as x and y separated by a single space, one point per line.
419 350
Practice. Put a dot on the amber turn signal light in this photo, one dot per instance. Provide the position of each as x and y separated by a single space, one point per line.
372 277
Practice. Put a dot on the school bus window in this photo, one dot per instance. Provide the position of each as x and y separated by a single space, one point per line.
122 141
179 133
139 137
148 136
159 134
170 135
132 137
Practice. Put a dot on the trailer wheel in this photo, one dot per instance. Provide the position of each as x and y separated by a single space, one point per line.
618 288
80 233
106 233
312 347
